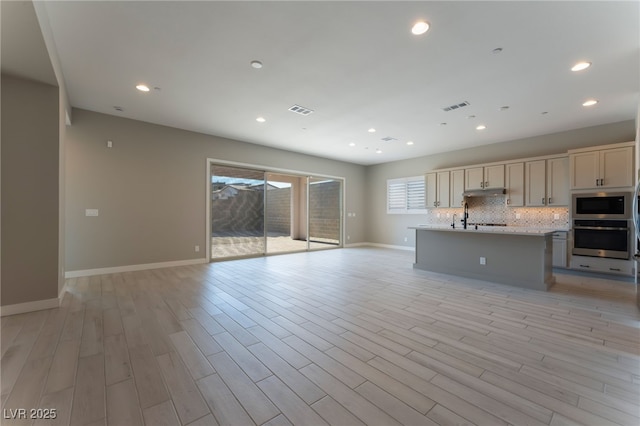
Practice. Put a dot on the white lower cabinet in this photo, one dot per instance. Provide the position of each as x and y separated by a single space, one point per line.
559 259
603 265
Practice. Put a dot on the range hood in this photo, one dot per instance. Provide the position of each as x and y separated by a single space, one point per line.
490 192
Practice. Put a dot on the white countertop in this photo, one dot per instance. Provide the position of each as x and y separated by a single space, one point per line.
511 230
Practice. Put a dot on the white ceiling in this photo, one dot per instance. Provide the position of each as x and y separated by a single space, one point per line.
357 65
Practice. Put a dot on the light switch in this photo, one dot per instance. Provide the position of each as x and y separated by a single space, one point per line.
91 212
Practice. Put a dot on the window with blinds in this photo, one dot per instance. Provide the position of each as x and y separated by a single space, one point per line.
406 195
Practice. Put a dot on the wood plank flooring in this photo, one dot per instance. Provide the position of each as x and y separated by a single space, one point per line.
344 337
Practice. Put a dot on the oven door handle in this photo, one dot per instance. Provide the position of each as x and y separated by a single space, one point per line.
600 228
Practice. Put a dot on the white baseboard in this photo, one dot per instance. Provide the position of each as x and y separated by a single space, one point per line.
131 268
36 305
389 246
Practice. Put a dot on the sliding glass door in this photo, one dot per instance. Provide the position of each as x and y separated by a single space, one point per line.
325 213
253 212
237 212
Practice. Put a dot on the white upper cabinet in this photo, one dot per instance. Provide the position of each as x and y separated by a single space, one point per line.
604 168
616 167
515 184
484 177
558 181
443 189
547 182
535 183
474 178
456 183
437 189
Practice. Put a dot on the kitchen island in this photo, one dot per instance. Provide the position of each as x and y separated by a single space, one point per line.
520 257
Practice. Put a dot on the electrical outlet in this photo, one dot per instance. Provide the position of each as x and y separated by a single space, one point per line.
483 260
91 212
556 216
406 239
197 249
438 215
348 237
517 215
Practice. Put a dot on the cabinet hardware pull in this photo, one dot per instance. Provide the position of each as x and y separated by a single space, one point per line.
585 266
481 184
508 201
602 182
486 184
614 269
542 200
597 182
549 200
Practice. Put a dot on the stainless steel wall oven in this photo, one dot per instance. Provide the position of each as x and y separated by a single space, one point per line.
602 238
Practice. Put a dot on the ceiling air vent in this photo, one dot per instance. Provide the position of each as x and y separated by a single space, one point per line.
456 106
389 139
300 110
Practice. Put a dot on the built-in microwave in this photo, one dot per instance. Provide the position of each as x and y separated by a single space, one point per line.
602 205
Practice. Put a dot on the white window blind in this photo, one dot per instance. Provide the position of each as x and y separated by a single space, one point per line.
406 195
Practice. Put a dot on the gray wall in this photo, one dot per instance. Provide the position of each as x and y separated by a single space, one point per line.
30 196
391 229
150 189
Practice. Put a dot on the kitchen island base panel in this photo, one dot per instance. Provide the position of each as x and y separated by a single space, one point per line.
523 261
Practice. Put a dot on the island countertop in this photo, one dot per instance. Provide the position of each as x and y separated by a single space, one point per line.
511 230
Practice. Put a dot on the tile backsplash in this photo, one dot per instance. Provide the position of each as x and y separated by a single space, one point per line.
495 210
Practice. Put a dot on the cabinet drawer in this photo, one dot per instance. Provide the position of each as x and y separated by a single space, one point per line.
602 265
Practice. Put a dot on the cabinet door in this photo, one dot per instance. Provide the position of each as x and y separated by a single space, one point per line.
457 188
558 181
616 166
474 178
559 253
515 184
431 190
535 183
584 170
494 176
442 196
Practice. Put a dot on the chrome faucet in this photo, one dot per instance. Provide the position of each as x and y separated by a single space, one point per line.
453 224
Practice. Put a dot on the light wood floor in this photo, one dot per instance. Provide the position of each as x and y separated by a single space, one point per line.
345 337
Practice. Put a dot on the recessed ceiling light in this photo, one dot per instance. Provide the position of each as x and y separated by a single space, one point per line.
469 117
481 127
420 27
142 87
497 50
410 143
261 119
371 130
118 108
581 66
256 64
504 108
378 151
544 112
589 102
352 144
443 124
